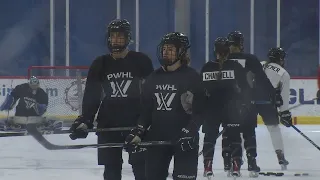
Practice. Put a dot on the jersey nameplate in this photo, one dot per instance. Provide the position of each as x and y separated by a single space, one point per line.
273 68
218 75
240 61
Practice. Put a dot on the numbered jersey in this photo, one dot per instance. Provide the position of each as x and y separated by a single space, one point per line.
28 99
162 104
279 78
116 85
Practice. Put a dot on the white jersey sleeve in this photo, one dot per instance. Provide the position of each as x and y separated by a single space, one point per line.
279 78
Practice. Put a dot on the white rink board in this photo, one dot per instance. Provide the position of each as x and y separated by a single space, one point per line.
63 101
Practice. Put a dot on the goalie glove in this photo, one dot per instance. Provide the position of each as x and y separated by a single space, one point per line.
79 128
132 141
285 118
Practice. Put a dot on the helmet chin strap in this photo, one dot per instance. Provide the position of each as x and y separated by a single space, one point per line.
165 66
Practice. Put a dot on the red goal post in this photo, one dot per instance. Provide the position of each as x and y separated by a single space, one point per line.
64 86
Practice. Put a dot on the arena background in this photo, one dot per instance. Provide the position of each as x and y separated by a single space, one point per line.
72 33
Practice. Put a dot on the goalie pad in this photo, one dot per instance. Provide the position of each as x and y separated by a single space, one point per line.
8 103
40 109
186 101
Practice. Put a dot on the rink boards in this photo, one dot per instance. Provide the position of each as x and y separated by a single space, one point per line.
64 99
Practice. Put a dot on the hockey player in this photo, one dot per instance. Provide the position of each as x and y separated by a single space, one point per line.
280 79
33 102
119 76
261 90
171 102
226 85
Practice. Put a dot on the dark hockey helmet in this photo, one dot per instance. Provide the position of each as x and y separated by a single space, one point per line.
277 55
120 30
167 55
236 38
34 82
221 46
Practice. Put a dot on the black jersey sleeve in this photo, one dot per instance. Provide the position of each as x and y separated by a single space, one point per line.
93 90
256 68
199 104
17 91
242 82
146 104
44 99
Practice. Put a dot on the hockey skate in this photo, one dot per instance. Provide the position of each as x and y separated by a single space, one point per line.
253 168
281 159
235 167
208 169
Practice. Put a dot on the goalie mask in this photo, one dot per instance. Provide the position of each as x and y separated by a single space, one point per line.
173 48
34 83
118 35
277 55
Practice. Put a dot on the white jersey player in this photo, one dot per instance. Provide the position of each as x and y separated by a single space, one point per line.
280 80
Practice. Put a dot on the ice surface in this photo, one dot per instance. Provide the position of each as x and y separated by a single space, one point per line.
22 158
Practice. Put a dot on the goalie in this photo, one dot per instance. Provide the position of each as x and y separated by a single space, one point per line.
33 102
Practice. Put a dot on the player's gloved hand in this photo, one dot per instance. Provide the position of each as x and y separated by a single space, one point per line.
285 118
187 140
79 128
132 141
278 101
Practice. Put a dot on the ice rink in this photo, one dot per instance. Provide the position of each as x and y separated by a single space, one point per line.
22 158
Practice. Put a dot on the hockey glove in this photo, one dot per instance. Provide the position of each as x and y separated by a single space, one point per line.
132 141
285 118
79 128
187 140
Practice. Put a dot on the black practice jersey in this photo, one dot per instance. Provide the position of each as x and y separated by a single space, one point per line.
262 85
28 99
162 109
115 85
224 83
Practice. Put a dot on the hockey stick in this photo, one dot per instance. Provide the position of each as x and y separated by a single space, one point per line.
33 131
9 134
306 137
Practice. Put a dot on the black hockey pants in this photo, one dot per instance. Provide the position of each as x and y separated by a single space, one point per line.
158 161
112 160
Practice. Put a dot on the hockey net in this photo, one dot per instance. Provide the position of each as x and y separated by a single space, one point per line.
64 86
